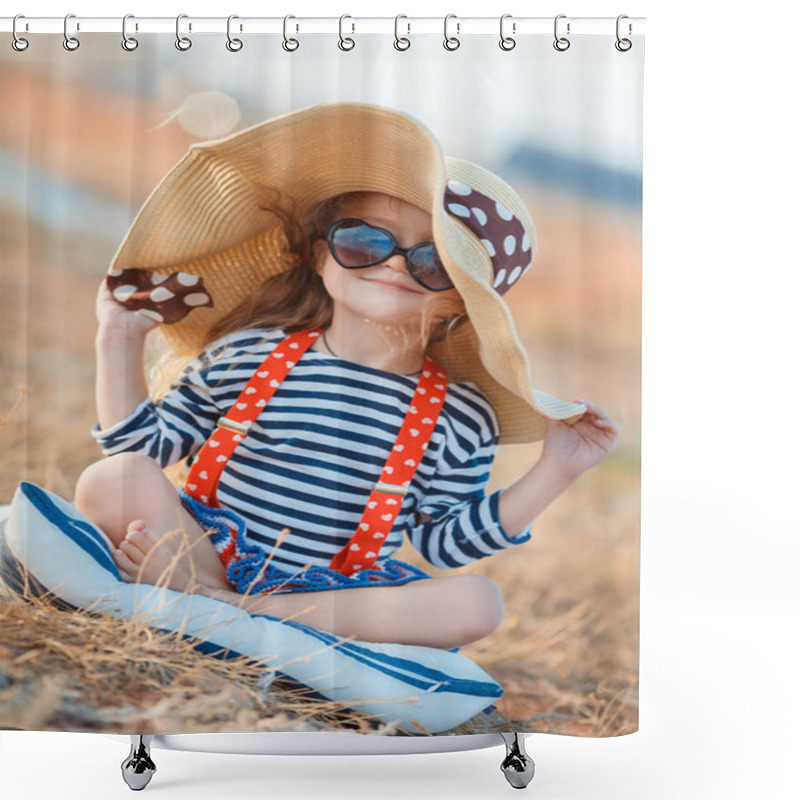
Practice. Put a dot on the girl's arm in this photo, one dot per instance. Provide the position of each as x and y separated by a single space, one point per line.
456 523
120 384
526 499
452 521
128 421
569 450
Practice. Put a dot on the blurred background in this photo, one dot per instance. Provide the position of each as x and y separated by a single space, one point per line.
86 136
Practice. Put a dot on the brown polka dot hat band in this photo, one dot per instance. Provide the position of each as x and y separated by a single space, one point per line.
205 221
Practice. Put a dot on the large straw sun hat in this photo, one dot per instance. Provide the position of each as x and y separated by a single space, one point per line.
204 226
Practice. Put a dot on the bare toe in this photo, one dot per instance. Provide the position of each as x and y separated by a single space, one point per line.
145 557
127 568
137 526
140 540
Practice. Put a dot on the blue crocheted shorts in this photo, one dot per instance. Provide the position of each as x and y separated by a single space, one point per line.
248 572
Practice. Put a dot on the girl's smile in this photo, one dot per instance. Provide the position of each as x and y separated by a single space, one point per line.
392 284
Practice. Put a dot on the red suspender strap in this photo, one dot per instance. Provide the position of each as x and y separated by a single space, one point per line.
203 478
384 502
383 506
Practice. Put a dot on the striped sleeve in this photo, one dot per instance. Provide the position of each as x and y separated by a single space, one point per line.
456 522
171 428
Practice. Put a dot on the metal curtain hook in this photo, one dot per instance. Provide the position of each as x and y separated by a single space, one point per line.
345 42
506 42
70 42
18 43
182 42
290 45
561 43
234 45
129 43
451 42
623 45
401 43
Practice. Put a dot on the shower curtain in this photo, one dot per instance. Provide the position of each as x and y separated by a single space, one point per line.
149 184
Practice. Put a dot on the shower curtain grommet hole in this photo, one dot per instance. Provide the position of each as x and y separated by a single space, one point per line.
183 43
18 43
70 43
345 42
451 42
507 42
289 44
233 44
623 44
401 43
561 43
129 43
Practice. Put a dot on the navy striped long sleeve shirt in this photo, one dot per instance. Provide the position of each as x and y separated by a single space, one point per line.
310 460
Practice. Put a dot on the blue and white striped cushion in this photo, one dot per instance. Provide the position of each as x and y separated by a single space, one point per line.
51 545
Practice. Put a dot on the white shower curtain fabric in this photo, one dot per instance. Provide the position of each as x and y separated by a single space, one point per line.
421 269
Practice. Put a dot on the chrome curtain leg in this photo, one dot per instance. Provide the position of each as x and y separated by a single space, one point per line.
517 766
138 768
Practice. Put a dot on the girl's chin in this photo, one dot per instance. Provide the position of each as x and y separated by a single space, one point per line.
388 314
392 302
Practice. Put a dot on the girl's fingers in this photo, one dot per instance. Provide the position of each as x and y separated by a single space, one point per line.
608 425
594 409
590 407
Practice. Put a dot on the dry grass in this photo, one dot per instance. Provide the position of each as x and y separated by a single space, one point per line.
71 670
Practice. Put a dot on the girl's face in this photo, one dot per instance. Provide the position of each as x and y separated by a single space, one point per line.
384 292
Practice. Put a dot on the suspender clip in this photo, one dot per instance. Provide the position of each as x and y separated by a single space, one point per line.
390 488
231 425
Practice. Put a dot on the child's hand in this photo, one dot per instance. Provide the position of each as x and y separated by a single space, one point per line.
112 317
577 447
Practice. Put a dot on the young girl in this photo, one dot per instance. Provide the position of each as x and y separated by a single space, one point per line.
354 371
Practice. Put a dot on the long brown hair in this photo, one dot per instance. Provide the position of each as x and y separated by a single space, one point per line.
297 300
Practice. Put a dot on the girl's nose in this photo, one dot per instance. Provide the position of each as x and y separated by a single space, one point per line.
397 262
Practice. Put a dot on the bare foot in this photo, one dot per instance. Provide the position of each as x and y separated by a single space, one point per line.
144 557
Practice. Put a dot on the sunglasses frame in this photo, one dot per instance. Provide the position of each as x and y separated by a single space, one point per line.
404 251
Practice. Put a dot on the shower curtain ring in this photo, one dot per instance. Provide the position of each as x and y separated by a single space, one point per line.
451 42
401 42
70 42
623 45
129 43
507 42
561 43
182 42
345 42
290 45
234 45
18 43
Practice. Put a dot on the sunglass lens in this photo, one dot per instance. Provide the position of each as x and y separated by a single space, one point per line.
360 245
427 268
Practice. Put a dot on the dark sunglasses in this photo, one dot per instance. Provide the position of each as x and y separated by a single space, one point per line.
356 244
